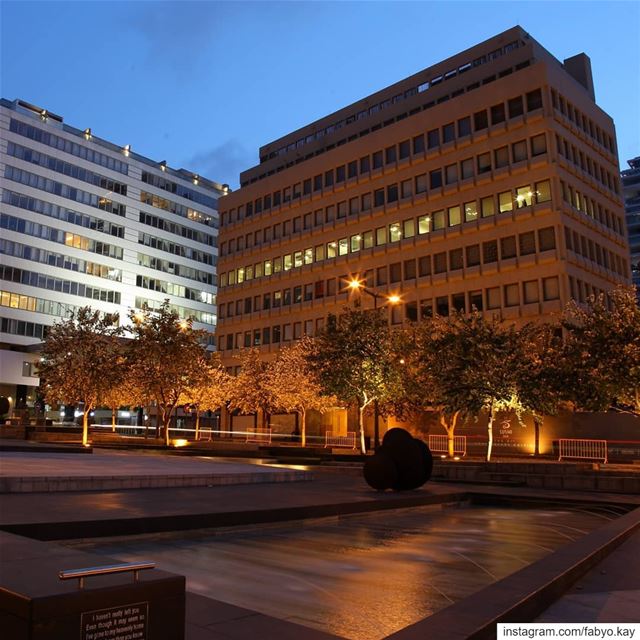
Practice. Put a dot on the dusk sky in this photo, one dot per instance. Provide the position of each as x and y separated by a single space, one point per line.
203 84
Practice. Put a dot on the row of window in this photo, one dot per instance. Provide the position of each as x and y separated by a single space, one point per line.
73 148
391 155
174 207
52 259
177 249
492 298
389 194
57 235
177 229
43 281
66 168
176 269
39 305
63 190
582 121
582 291
591 250
178 290
62 213
22 328
179 189
385 104
593 209
584 162
455 215
470 256
183 312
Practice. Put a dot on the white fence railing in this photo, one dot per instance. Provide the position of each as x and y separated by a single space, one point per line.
205 434
438 444
347 441
259 437
582 449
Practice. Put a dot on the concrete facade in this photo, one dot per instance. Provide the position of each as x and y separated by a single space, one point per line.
489 180
631 190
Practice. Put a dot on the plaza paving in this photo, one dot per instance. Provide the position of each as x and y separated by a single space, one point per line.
609 592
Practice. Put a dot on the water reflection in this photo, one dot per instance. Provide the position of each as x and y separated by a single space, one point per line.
361 577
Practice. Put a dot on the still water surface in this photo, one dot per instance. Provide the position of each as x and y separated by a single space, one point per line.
360 577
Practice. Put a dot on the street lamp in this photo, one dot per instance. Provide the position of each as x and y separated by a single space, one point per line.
393 299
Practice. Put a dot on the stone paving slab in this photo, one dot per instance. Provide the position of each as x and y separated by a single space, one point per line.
26 472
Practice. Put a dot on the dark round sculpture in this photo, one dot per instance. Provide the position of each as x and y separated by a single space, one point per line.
401 463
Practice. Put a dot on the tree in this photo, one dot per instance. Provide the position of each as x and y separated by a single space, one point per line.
540 374
251 390
602 350
78 363
211 389
355 360
295 384
467 365
165 356
124 390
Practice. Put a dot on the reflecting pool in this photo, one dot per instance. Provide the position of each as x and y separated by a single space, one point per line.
360 577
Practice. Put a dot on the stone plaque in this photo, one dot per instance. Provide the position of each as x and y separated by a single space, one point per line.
126 622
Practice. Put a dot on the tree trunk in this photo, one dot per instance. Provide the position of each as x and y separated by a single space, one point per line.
450 441
85 427
450 429
537 423
114 412
166 423
197 423
490 433
363 447
303 427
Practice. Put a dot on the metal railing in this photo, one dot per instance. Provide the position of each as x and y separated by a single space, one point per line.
347 441
582 449
439 444
81 574
259 437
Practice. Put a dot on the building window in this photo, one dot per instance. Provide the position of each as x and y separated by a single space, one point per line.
547 239
426 308
493 298
501 157
524 196
395 272
377 160
531 293
466 168
505 201
527 242
480 120
511 295
464 127
454 216
458 302
356 243
534 100
455 259
475 300
435 179
519 151
378 198
487 206
451 173
442 306
433 139
409 269
406 188
470 211
497 113
543 191
538 145
484 162
421 183
550 288
440 262
424 224
438 220
507 247
448 133
515 107
424 266
473 255
381 236
390 155
343 246
418 145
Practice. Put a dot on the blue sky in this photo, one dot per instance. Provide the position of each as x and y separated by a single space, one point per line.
204 84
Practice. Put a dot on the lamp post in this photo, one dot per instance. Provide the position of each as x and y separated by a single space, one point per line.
357 285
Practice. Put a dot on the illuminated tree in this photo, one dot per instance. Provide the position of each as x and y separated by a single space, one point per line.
210 390
295 384
602 350
355 360
251 391
124 392
79 361
539 373
165 357
467 366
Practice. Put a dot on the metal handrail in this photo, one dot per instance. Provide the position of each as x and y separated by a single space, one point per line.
81 574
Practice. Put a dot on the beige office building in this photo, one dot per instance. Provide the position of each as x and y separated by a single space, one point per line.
489 179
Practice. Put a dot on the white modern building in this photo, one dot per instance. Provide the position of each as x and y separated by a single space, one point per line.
84 222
